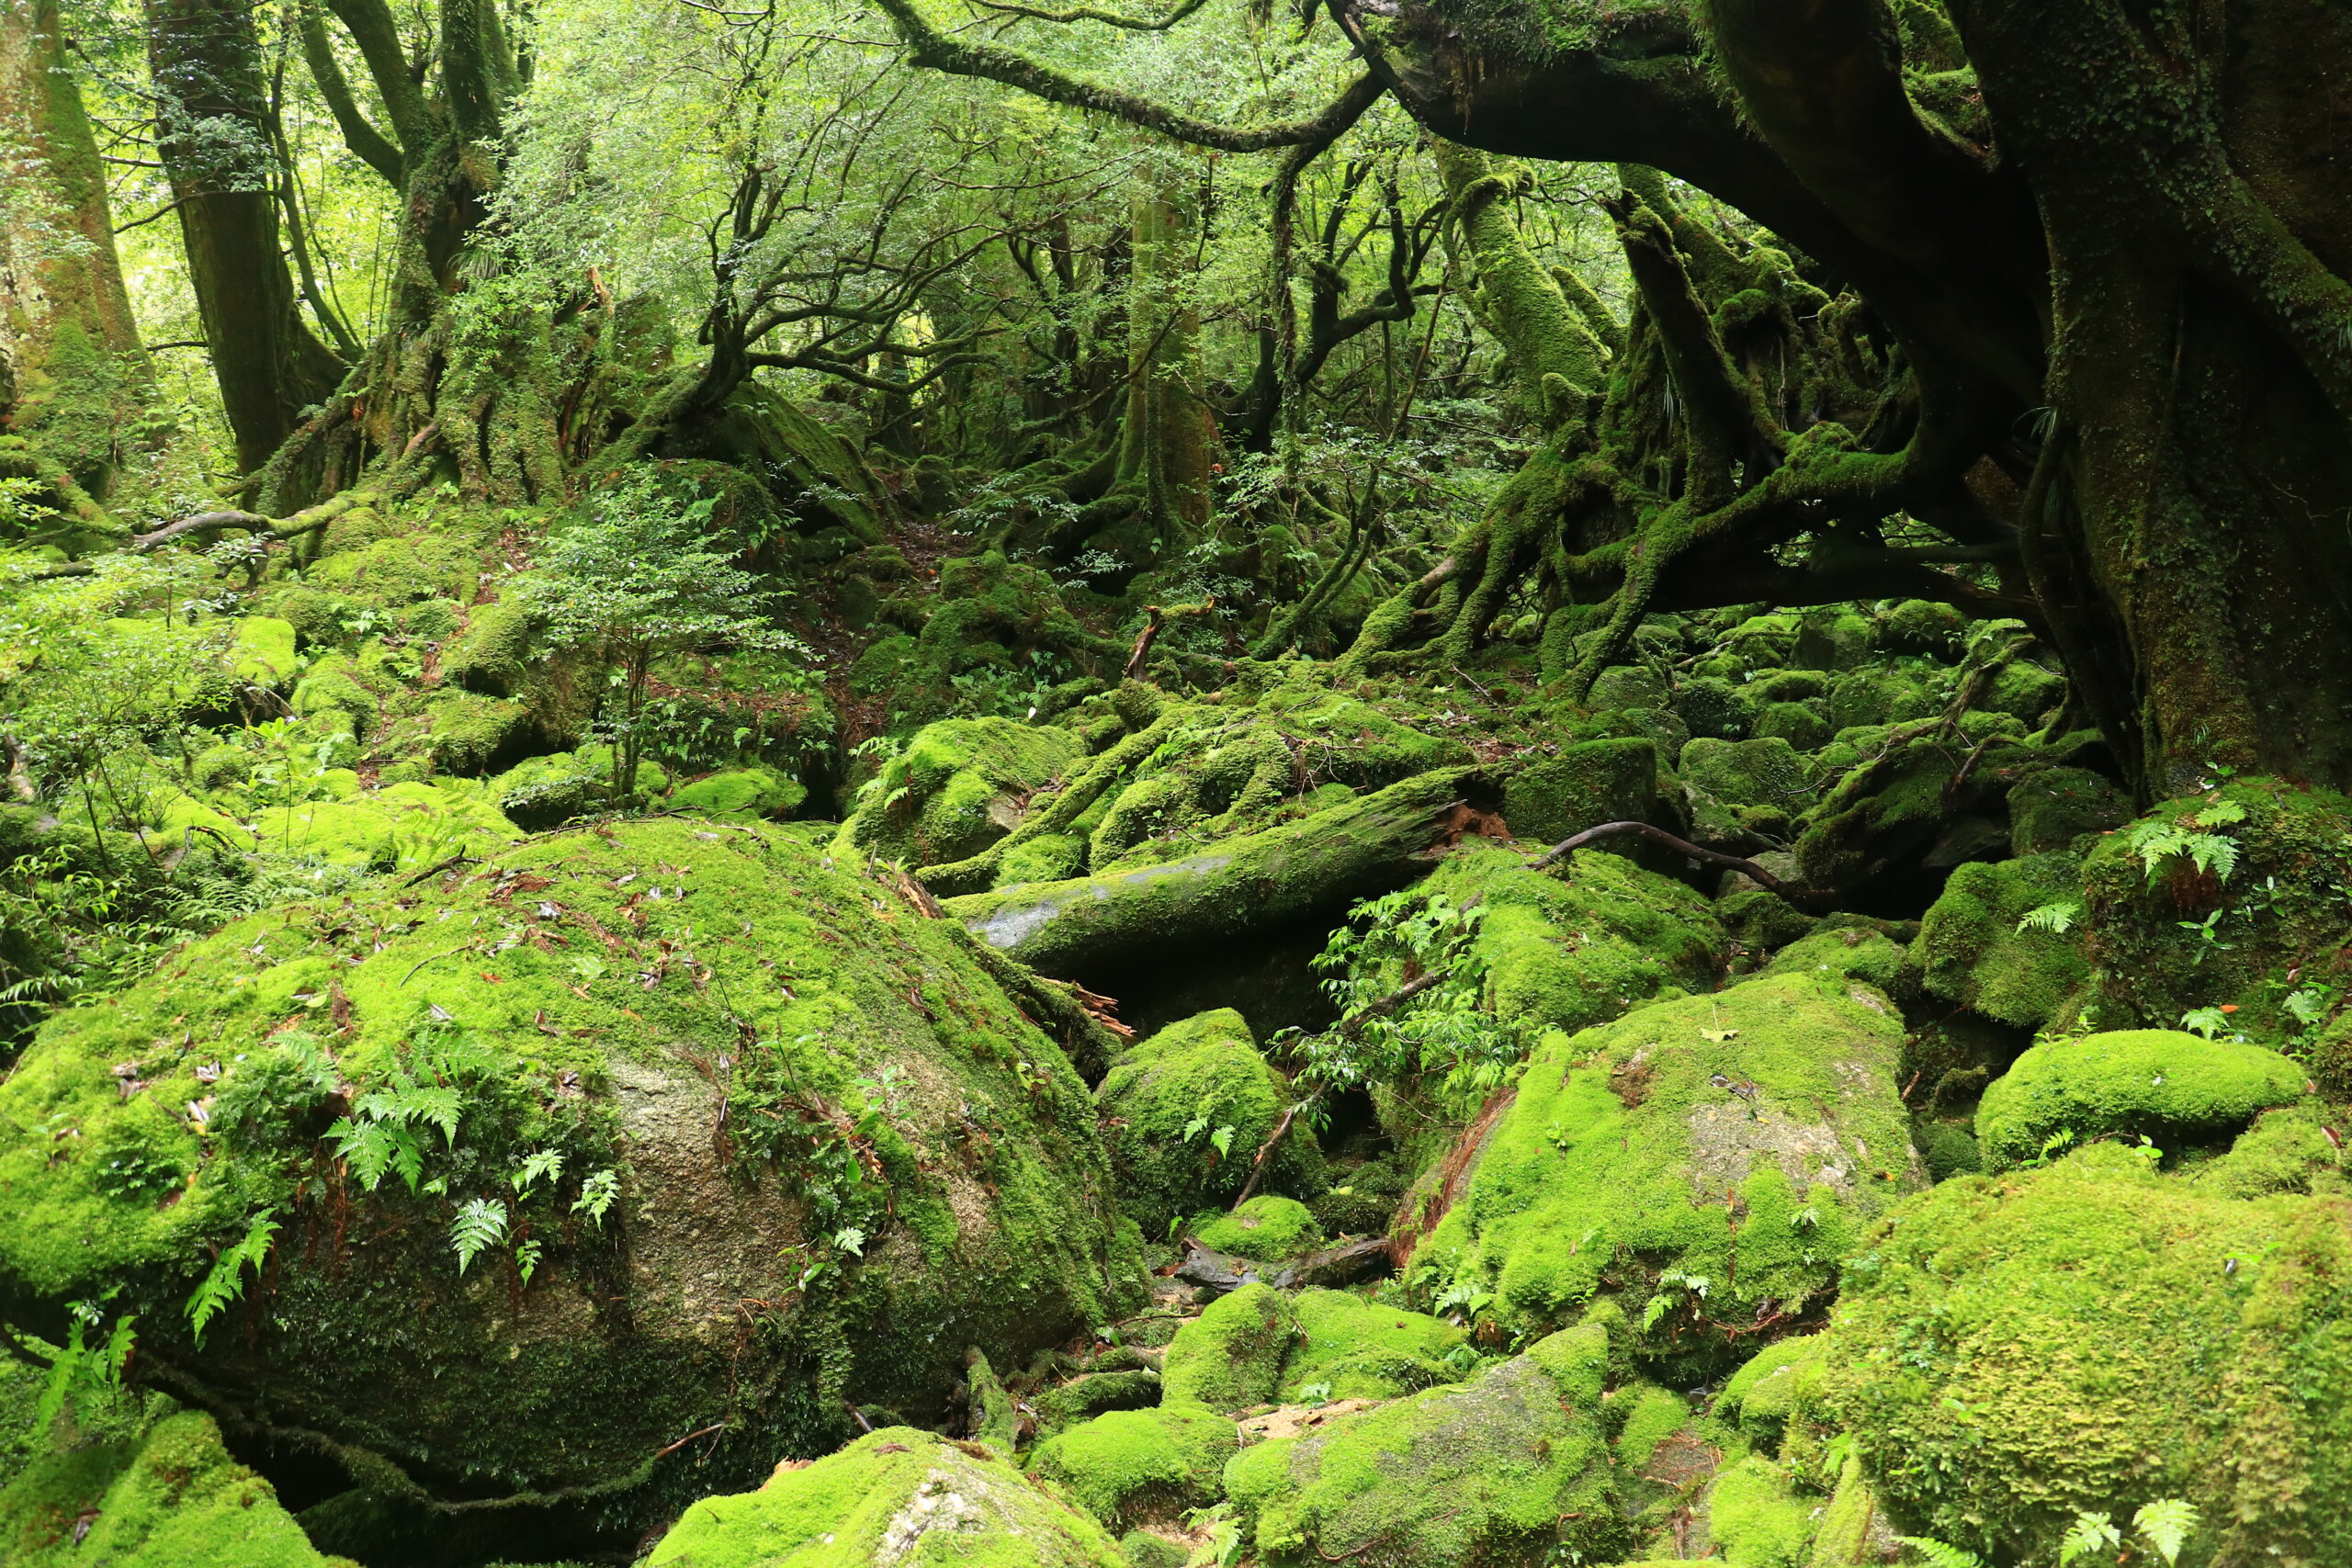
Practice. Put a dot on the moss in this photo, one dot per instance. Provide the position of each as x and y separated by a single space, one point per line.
1747 786
263 654
1355 1348
399 568
897 1495
877 1079
1771 1386
406 825
1757 1519
1081 1399
1650 1416
1204 1070
1588 784
957 788
740 792
1579 945
1950 1149
334 687
2095 1336
1630 686
2287 1150
1132 1464
1623 1159
1266 1227
1833 638
1973 950
1879 694
2024 690
465 733
491 656
1231 1356
1802 724
1857 954
2155 1083
1923 625
1713 709
1049 857
170 1498
1503 1471
2051 808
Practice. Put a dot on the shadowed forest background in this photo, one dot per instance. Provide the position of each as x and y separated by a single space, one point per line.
949 782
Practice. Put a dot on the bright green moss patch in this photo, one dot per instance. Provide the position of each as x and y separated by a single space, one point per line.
1231 1356
1131 1464
2096 1336
899 1496
959 786
2158 1083
1502 1471
1588 784
1757 1518
264 651
1701 1156
1266 1227
1165 1100
1350 1348
1771 1386
740 792
1978 949
172 1498
1651 1415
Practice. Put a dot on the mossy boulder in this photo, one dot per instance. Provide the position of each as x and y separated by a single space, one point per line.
1737 788
740 792
959 786
1267 1227
492 655
2050 808
2095 1336
1713 709
899 1496
1923 625
1588 784
1509 1469
2170 1088
1168 1097
169 1497
791 1149
1717 1154
1771 1386
403 825
1803 725
1349 1346
1581 941
263 654
1130 1465
1977 948
1758 1517
1231 1356
1879 694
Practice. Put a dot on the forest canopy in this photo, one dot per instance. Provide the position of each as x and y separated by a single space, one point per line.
1162 781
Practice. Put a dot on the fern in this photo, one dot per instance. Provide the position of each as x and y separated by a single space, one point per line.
2166 1524
2055 918
226 1282
374 1149
481 1225
526 1259
596 1195
543 1164
1936 1555
2089 1532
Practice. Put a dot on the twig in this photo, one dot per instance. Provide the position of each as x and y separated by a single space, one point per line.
690 1436
1746 868
1266 1149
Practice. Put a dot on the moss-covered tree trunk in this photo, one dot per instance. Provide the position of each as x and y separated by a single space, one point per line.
1169 436
216 146
75 382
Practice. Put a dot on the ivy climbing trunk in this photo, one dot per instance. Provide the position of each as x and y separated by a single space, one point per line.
76 387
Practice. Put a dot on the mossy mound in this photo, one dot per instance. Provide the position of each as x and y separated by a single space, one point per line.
2050 808
899 1496
171 1497
740 792
960 785
1703 1156
1504 1472
1741 788
2170 933
1267 1227
1134 1464
2170 1088
1771 1386
1977 947
1231 1356
1348 1347
2094 1335
1580 943
1588 784
1165 1101
789 1147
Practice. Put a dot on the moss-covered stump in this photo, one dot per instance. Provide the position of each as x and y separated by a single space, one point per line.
2094 1335
1131 1465
170 1498
622 1136
2004 940
2228 898
1709 1158
1166 1100
1229 890
2172 1088
899 1496
1582 943
960 785
1502 1471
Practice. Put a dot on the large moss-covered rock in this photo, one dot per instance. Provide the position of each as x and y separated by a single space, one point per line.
1978 948
170 1498
736 1136
1705 1156
899 1496
1267 1228
2094 1335
2170 1088
1166 1100
1231 1356
1582 941
1588 784
960 785
1737 788
1350 1347
1129 1465
1504 1472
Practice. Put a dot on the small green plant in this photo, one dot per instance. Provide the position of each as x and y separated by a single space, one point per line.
85 1377
2056 919
2208 1022
596 1195
226 1282
481 1225
2163 1527
2190 838
1936 1555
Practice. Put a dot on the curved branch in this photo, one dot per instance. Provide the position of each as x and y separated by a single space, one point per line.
1089 13
927 46
1801 897
371 146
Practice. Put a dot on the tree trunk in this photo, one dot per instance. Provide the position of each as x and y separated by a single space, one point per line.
215 147
1170 434
74 383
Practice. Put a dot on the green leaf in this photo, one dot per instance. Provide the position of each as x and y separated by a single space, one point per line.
481 1225
526 1259
2055 918
596 1195
543 1164
2207 1021
1936 1555
2166 1525
2089 1532
226 1282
